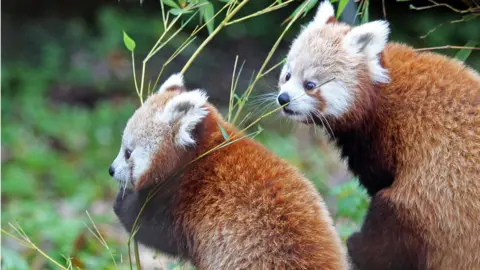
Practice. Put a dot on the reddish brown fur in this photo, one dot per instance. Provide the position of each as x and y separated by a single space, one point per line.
418 139
239 207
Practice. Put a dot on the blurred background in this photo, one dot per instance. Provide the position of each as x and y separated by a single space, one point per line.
67 92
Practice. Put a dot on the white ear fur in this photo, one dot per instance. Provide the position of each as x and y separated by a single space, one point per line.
324 13
369 39
175 80
187 108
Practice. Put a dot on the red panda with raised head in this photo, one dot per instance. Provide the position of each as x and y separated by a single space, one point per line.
408 123
239 207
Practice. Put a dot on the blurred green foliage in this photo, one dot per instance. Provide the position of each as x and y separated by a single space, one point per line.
56 151
54 157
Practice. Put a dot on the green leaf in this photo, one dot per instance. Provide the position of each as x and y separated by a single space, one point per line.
341 7
129 42
365 13
224 133
237 97
176 11
208 13
310 5
171 3
463 54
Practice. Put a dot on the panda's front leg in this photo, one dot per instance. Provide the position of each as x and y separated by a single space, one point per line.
154 222
385 242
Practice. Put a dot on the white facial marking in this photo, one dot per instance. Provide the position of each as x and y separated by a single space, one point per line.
175 80
130 170
324 12
337 98
141 161
146 131
300 102
369 39
121 167
316 55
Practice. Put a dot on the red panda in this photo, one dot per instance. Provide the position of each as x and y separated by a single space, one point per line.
408 123
239 207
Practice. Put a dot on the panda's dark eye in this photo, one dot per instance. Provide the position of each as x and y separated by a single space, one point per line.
310 86
287 77
128 153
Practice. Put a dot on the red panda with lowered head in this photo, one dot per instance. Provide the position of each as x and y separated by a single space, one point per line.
408 123
239 207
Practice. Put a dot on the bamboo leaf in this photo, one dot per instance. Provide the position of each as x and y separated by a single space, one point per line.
341 7
310 4
365 12
463 54
224 133
128 41
237 98
208 13
176 11
171 3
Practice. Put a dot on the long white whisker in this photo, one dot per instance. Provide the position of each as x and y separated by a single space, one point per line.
259 100
316 113
327 126
124 188
311 118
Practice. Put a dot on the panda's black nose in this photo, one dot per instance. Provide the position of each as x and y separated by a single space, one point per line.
111 171
283 99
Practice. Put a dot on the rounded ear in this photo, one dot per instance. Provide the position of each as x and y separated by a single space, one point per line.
184 112
369 39
325 14
174 82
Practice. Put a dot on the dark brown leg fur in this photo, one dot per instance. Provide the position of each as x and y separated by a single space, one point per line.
385 242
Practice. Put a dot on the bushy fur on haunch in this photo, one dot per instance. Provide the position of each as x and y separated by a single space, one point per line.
409 125
240 207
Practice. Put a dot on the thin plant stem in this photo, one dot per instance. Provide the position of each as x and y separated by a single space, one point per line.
444 47
275 66
232 90
137 255
435 4
31 245
267 59
271 8
100 238
135 78
212 35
